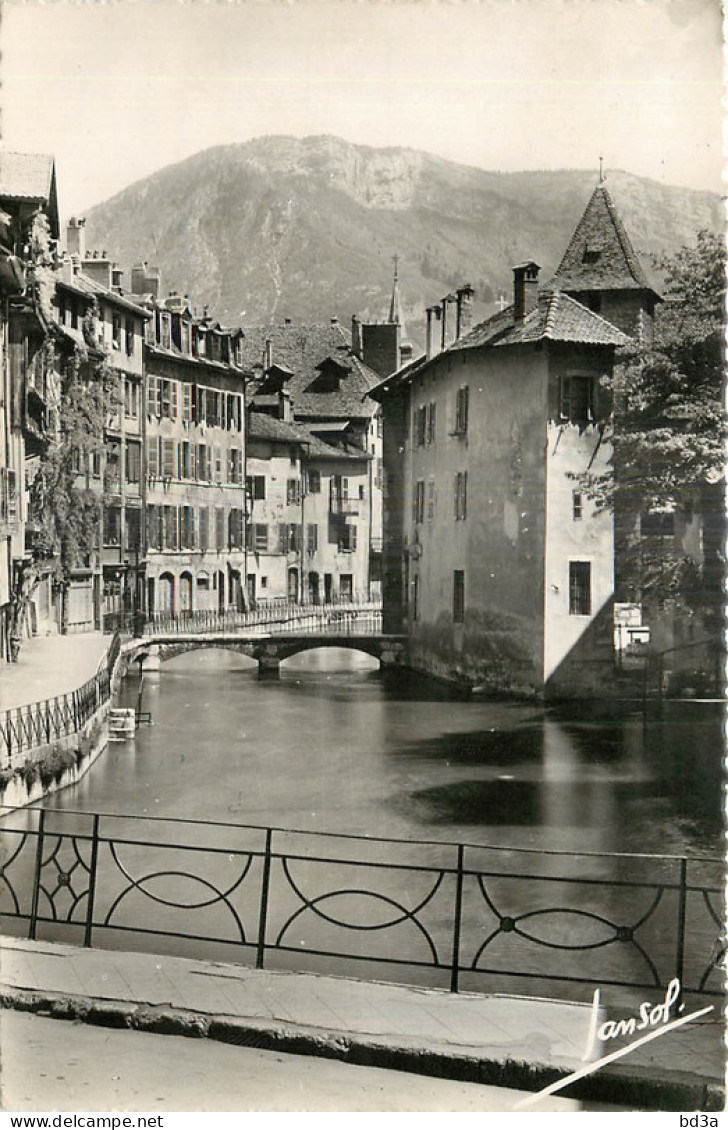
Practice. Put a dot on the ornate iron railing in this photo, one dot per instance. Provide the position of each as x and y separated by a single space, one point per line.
455 915
278 616
40 723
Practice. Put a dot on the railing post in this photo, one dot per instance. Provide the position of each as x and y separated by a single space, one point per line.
681 909
92 882
36 877
457 922
264 889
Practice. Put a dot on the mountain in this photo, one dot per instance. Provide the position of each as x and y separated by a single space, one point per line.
307 228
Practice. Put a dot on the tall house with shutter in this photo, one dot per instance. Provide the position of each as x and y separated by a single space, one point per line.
496 565
99 325
194 438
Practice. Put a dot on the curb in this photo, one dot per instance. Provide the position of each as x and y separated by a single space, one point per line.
637 1089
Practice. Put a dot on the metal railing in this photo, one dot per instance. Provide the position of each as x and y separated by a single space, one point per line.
40 723
453 915
278 616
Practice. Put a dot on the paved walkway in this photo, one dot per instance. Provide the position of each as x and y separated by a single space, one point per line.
514 1042
51 665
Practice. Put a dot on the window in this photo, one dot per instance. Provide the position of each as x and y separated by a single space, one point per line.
129 336
235 466
293 492
461 411
116 331
313 482
416 597
165 330
260 541
421 426
187 403
256 487
346 586
219 528
577 399
168 392
576 506
461 495
289 539
171 530
186 527
580 588
154 527
235 529
431 423
183 459
431 500
458 596
203 469
218 464
204 533
153 457
418 502
312 537
152 396
112 525
96 464
167 458
133 462
347 539
131 399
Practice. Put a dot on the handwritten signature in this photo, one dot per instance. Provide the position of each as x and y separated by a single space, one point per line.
654 1019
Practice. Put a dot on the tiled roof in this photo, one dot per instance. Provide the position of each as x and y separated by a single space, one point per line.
89 288
322 450
26 176
301 349
600 255
262 426
175 354
557 317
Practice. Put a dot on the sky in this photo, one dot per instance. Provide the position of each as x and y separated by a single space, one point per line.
117 90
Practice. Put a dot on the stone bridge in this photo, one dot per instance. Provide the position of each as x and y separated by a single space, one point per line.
268 650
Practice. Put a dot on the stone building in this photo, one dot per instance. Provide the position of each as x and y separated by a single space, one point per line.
312 377
193 429
496 565
29 226
104 327
308 514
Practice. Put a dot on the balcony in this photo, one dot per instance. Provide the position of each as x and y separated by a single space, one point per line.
347 506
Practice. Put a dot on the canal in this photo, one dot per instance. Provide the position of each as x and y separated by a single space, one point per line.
336 746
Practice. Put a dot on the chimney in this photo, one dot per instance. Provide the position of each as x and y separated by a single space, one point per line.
446 335
268 355
355 336
525 290
76 237
99 269
464 310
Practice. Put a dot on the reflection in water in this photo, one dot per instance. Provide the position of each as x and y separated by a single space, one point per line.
334 745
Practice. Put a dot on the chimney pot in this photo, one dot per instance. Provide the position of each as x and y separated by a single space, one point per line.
356 341
525 290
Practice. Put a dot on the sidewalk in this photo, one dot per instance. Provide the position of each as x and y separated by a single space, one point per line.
504 1041
49 666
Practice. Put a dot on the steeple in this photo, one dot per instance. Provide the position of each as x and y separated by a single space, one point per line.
395 306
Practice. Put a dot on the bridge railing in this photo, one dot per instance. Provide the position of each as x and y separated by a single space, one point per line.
454 915
360 614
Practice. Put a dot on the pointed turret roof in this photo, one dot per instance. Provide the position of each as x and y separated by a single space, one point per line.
395 306
600 255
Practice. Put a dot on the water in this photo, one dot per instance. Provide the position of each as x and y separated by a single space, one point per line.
336 746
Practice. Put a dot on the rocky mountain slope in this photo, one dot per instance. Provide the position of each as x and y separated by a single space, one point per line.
307 228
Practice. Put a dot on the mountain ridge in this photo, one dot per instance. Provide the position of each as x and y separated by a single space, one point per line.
307 228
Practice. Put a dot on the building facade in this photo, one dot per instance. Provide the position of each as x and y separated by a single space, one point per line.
496 564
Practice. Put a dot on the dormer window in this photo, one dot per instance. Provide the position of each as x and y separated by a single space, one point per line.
330 375
592 251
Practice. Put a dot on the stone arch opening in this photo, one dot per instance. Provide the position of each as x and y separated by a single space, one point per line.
166 593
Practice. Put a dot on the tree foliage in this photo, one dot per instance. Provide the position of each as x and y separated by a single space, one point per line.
668 430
